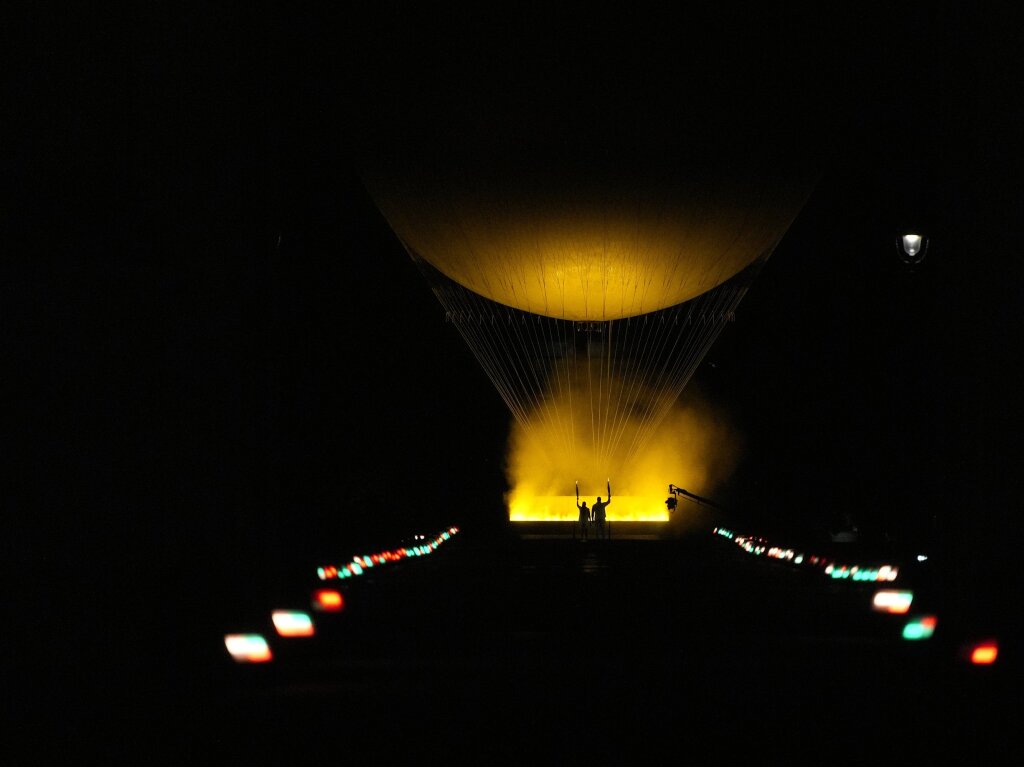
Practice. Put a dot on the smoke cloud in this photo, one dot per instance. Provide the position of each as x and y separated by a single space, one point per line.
695 447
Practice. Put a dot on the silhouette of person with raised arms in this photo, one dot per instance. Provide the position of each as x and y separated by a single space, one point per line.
599 513
584 518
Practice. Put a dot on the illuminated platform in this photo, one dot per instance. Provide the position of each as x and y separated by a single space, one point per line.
562 508
618 531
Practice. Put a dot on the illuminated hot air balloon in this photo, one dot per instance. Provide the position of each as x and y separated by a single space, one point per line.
588 230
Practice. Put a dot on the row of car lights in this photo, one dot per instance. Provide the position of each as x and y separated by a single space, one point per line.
254 648
359 565
759 546
891 601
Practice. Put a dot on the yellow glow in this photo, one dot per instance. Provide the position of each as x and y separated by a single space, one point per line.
585 215
984 654
562 508
595 263
694 447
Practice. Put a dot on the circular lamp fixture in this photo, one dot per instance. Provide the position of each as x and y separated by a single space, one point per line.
912 247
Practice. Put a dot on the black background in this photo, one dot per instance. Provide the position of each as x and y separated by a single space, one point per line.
222 366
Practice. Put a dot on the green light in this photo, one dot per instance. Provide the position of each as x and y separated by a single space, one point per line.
921 627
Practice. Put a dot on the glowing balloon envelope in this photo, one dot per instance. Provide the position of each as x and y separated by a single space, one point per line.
589 216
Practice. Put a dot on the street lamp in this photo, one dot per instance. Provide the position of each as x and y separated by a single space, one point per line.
912 247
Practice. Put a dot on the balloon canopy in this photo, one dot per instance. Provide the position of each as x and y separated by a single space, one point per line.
589 177
590 200
591 244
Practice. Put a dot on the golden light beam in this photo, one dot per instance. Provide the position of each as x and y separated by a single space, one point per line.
696 447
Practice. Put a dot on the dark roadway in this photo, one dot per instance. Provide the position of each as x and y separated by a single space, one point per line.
555 649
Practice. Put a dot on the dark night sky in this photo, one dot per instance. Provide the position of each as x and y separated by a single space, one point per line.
225 365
